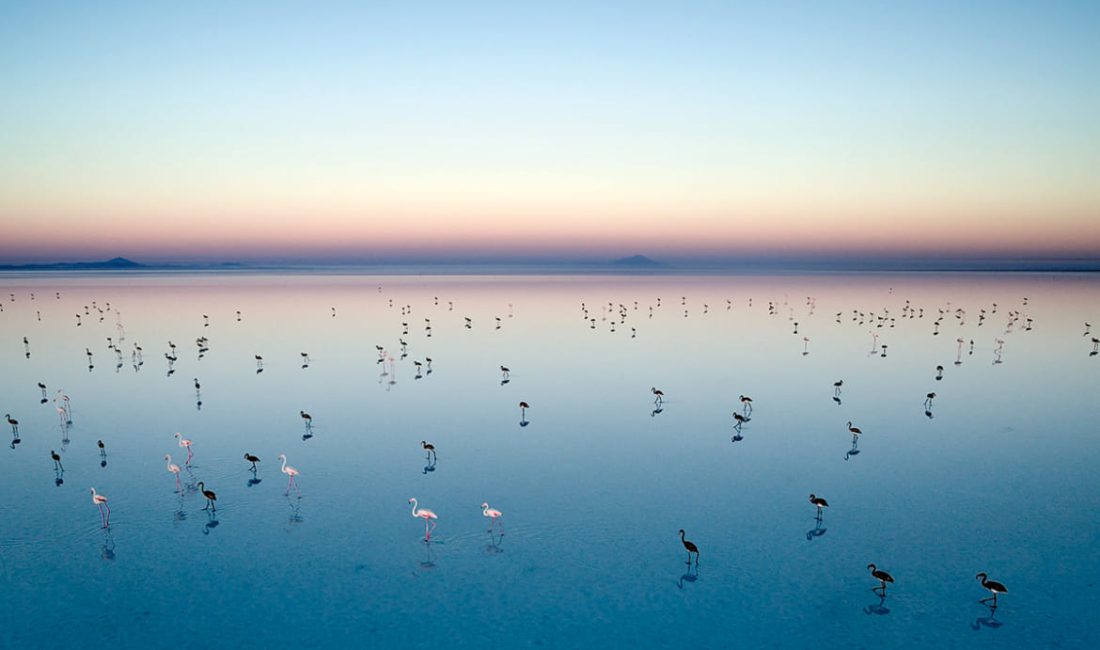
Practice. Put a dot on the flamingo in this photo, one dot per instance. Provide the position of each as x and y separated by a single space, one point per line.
882 576
928 399
307 418
185 444
291 472
658 394
856 431
523 406
504 372
210 496
992 586
836 386
494 516
428 516
430 448
739 420
56 460
252 459
746 404
173 468
101 501
819 502
13 422
690 547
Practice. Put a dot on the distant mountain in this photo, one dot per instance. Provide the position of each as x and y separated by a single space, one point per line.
116 264
637 262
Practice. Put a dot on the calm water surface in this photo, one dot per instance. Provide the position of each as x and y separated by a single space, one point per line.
998 475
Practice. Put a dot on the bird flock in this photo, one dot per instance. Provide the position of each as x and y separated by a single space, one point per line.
615 317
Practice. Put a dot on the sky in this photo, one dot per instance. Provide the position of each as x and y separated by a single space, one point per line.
446 131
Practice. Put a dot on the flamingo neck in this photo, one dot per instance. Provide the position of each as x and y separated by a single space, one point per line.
414 512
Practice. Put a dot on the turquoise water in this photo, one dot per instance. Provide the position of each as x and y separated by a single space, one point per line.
997 475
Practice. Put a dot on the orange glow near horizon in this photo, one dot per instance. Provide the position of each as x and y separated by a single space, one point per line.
426 233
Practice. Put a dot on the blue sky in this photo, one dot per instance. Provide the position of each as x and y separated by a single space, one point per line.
340 130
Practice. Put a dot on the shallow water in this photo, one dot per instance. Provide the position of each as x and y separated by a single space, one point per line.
1001 478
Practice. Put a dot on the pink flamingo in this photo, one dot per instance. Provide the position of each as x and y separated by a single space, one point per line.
427 515
494 516
291 472
173 468
101 501
185 444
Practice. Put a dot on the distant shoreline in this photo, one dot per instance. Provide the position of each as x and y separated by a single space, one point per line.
525 270
634 265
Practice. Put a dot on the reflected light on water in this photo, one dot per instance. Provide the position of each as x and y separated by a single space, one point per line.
974 395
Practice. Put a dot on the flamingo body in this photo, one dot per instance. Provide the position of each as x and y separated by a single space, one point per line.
428 516
291 472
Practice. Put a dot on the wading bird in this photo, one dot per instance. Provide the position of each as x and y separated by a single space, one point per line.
185 444
430 448
172 468
819 502
738 420
428 516
690 547
56 460
494 516
101 501
882 577
252 459
210 496
291 472
992 586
